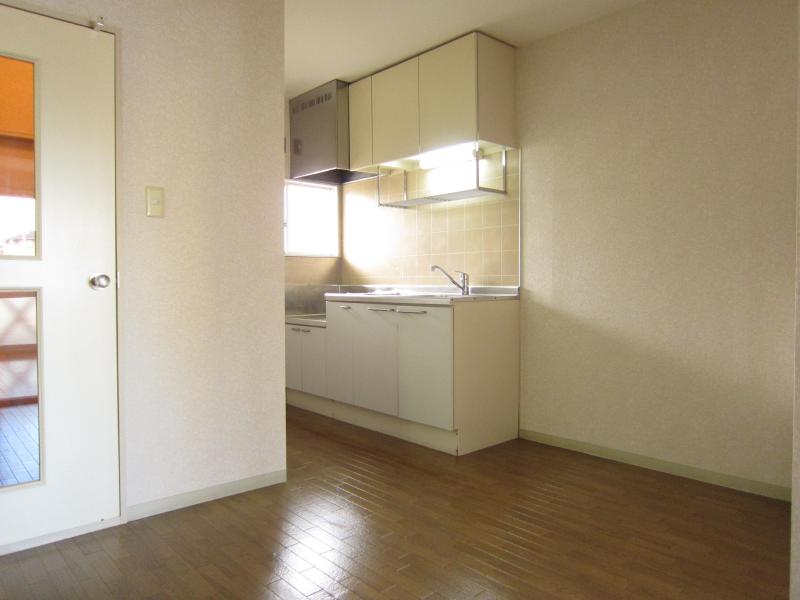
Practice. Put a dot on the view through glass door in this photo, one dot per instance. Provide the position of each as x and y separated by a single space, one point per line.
59 455
19 384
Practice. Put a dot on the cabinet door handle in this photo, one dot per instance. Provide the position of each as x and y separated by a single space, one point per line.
306 330
345 307
296 329
382 309
412 312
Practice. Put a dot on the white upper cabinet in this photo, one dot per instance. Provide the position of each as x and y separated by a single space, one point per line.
361 124
395 112
495 95
466 93
462 91
447 94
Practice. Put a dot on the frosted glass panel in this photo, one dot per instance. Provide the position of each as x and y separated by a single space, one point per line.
19 388
17 158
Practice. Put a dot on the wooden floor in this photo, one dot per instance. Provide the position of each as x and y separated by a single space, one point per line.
19 444
368 516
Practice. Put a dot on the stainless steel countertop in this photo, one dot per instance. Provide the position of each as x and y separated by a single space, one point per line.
316 320
425 295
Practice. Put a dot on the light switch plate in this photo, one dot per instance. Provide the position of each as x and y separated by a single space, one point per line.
155 201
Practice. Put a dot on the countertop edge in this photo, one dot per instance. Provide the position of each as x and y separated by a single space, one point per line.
375 299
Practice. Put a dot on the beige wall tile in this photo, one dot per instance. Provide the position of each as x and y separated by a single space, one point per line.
439 242
423 219
424 262
510 212
509 280
491 214
491 264
510 238
438 219
473 240
490 280
424 243
409 266
409 219
491 239
408 244
510 263
455 241
437 259
454 262
473 216
455 218
473 262
382 243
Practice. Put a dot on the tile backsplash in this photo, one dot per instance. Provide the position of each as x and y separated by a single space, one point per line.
396 246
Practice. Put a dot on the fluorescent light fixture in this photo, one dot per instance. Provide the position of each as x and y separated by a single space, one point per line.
447 156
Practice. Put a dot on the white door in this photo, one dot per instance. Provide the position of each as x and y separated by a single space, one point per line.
425 365
57 333
294 357
375 357
314 361
339 352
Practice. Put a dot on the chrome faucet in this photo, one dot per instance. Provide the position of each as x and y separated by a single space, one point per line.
463 279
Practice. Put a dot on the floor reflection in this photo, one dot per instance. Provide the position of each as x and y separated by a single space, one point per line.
19 444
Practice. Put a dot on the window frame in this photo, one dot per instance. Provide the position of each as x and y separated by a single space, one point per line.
335 192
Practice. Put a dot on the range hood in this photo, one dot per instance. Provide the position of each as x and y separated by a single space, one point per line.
319 126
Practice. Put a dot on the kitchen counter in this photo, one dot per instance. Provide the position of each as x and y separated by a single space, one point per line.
443 373
425 295
421 299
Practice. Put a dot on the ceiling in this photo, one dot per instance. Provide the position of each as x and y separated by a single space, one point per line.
348 39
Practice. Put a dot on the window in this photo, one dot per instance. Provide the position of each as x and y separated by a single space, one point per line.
17 159
311 220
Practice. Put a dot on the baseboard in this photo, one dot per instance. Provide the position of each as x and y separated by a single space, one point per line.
170 503
58 536
416 433
147 509
730 481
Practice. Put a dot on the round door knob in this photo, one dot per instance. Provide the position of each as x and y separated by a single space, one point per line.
99 281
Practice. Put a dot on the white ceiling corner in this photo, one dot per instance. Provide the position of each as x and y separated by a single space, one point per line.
348 39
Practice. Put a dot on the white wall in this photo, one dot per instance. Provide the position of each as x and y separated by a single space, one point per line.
201 303
659 157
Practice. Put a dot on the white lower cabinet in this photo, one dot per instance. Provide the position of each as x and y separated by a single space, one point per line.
339 351
393 359
294 357
454 369
425 365
305 359
375 357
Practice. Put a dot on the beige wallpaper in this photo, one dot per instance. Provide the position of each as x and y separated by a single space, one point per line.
795 552
396 246
659 247
201 335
